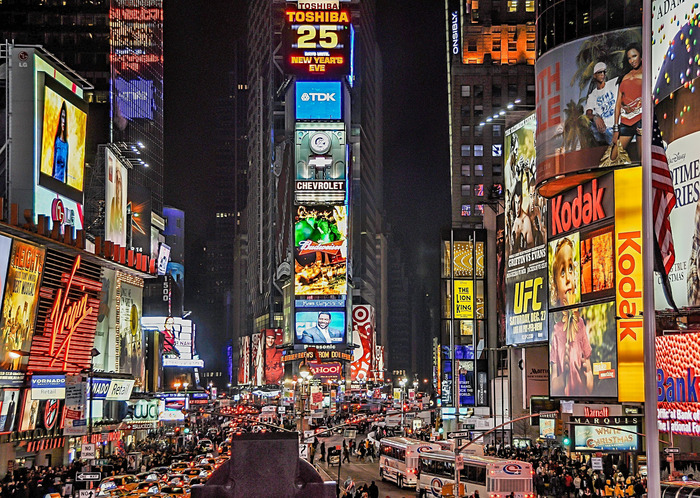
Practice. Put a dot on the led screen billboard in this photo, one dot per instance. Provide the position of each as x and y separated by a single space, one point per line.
678 375
524 239
178 340
63 130
320 250
26 265
317 42
244 360
131 342
274 371
578 86
116 180
320 327
607 438
135 97
318 100
257 348
320 154
363 337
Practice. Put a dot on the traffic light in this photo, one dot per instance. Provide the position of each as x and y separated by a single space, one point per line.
566 441
559 427
439 426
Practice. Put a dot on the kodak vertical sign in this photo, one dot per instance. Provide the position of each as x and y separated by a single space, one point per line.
628 285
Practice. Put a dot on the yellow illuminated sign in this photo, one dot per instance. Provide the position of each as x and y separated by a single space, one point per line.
463 299
628 285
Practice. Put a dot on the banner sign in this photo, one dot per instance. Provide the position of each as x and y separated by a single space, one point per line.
48 387
363 335
463 299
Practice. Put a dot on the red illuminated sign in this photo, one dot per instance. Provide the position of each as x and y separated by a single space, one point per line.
317 42
586 204
69 330
58 212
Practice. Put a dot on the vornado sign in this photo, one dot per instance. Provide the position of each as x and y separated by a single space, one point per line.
577 208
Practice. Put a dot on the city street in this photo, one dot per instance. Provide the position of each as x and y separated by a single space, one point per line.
363 472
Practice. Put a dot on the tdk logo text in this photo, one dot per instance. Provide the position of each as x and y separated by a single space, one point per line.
318 97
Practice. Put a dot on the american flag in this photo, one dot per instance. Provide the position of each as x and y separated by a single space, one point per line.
664 199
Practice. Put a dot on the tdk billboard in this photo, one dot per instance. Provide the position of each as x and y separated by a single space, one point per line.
318 100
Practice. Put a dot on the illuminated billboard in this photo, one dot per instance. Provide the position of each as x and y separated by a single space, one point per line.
130 338
116 177
178 341
20 303
320 250
317 42
678 375
605 438
363 337
674 55
578 86
244 360
320 154
257 349
319 100
63 129
135 97
274 371
524 239
320 327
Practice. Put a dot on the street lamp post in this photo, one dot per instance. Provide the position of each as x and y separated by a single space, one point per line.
305 373
402 383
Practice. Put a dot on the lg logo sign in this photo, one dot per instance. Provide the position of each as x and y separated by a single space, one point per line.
318 97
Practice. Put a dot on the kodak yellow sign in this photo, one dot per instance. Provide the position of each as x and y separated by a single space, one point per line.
628 285
463 299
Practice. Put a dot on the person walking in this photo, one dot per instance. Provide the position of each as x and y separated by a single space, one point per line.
346 453
323 452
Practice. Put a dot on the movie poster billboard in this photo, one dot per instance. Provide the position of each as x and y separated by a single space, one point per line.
138 210
178 340
674 79
578 86
363 338
116 176
320 250
244 360
30 412
8 410
20 301
678 374
524 239
129 331
274 370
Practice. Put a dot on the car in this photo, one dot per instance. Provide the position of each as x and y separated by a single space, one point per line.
175 492
205 445
149 476
179 466
198 480
191 472
125 483
149 487
177 479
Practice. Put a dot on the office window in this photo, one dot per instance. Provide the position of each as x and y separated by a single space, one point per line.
466 91
512 5
497 170
478 112
471 45
466 130
478 150
479 210
466 190
479 190
496 131
466 150
466 209
466 170
478 131
478 170
478 91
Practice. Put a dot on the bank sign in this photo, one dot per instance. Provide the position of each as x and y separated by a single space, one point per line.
318 100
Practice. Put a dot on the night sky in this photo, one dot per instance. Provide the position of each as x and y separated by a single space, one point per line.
199 36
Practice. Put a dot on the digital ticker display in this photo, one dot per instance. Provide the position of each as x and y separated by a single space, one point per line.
317 42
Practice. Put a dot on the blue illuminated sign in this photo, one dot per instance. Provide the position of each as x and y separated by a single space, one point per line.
319 100
136 98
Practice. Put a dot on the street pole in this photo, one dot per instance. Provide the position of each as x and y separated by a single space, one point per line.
649 319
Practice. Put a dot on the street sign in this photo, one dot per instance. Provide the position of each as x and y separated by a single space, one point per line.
597 463
304 451
457 435
88 451
672 451
88 476
459 462
86 493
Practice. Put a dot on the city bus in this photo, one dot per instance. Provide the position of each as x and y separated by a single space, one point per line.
492 477
398 459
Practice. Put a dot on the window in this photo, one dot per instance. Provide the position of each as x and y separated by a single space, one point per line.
478 91
466 209
497 170
466 170
512 5
478 112
466 130
465 110
478 170
496 131
478 150
478 131
471 45
479 190
530 95
512 92
529 5
466 150
512 39
466 91
496 92
466 190
530 36
479 209
496 40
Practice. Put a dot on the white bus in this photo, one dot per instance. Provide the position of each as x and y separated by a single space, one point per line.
398 459
492 477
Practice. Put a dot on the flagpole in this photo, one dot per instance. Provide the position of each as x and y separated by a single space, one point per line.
649 319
